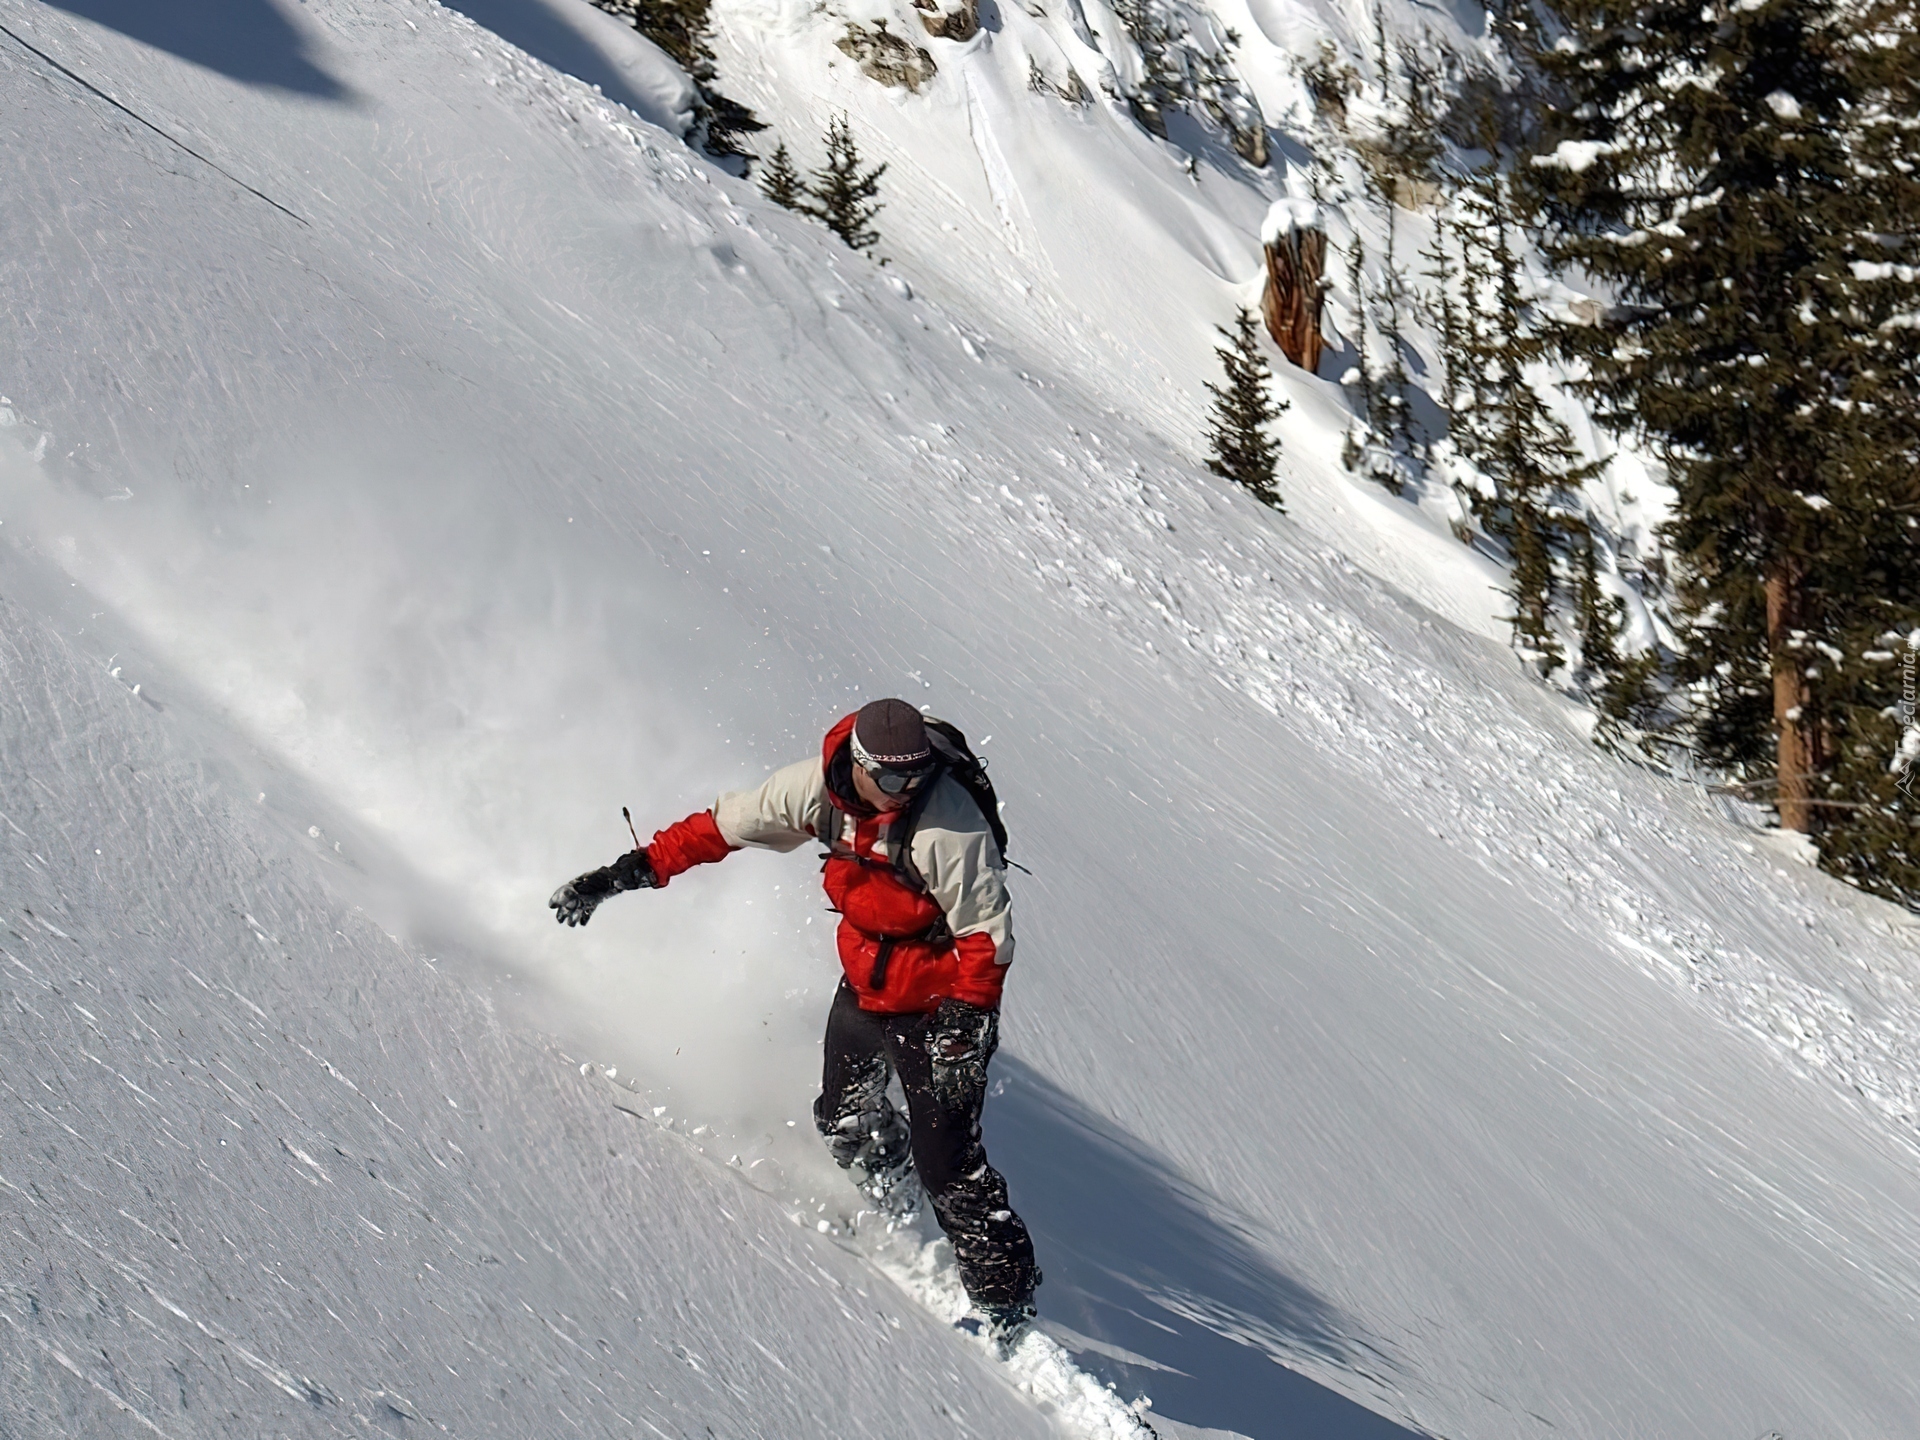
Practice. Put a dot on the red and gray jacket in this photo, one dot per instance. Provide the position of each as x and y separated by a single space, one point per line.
905 946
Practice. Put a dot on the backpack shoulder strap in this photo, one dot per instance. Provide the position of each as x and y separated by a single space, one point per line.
902 834
959 762
971 771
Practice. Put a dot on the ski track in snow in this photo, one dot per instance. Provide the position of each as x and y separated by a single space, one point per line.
1433 724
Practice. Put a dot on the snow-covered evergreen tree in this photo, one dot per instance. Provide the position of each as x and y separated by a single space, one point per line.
1356 448
780 182
1744 178
1186 60
845 197
684 29
1533 471
1394 422
1241 449
1597 615
1443 280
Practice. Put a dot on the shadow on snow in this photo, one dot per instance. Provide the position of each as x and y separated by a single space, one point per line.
248 40
545 36
1178 1300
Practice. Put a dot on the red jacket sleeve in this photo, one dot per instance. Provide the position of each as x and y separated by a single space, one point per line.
693 841
981 977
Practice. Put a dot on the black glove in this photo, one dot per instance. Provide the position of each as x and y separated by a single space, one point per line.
961 1032
574 902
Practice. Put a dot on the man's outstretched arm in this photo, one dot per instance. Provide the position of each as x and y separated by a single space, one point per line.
686 843
780 814
695 840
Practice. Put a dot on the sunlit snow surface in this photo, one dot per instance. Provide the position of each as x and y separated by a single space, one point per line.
1373 1039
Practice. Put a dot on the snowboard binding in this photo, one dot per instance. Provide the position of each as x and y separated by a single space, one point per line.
1000 1326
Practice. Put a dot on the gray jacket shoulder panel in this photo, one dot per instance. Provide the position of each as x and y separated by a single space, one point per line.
784 813
965 873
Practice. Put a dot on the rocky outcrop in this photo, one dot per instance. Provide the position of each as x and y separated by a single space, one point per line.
884 56
1585 310
952 22
1250 141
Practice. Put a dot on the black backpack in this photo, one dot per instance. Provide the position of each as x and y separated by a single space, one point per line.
958 760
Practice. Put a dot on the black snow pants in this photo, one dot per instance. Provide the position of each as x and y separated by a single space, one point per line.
969 1198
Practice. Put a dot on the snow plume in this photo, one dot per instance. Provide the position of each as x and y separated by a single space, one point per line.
314 1182
485 706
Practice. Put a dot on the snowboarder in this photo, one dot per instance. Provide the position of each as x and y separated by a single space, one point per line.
915 867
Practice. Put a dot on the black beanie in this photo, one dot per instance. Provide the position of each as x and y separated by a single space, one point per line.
892 733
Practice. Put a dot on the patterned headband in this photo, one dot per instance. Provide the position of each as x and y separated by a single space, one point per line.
869 761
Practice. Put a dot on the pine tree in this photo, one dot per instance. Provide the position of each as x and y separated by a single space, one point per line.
1233 107
1412 139
780 182
1442 272
1360 375
684 29
1242 409
1872 831
1394 422
1186 58
1507 432
1598 616
1331 81
726 121
1382 54
679 27
1446 316
1743 178
845 199
1469 381
1632 708
1151 25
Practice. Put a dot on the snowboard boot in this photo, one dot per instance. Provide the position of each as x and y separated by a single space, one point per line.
876 1152
1001 1326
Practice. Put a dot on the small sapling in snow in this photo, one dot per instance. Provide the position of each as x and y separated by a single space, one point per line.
780 182
845 198
1242 409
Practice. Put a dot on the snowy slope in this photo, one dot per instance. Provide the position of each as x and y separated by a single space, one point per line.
1081 239
1367 1021
269 1171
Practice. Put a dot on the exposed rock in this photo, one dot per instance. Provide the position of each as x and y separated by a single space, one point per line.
1250 141
1399 180
1585 310
885 57
1411 193
1330 81
1147 116
959 23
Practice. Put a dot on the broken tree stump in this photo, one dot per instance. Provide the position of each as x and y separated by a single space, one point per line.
1296 249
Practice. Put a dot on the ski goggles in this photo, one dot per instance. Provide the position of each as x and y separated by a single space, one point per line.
898 782
894 775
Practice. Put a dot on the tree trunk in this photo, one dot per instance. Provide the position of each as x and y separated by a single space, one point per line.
1795 728
1295 292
